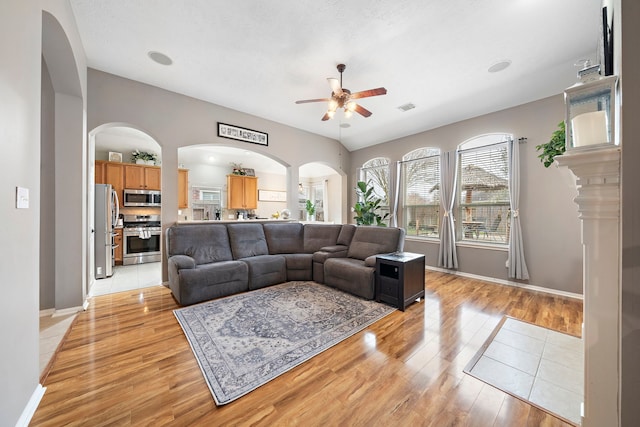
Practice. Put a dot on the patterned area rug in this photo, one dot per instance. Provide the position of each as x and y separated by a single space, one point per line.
243 341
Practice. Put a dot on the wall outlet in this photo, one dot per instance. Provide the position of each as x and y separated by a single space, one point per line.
506 264
230 216
99 270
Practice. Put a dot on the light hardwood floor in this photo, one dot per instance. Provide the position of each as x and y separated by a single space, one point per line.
127 362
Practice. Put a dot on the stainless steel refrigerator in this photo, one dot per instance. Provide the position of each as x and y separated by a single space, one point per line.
106 216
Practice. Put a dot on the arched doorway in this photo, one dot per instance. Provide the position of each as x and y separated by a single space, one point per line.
322 186
63 231
208 166
136 257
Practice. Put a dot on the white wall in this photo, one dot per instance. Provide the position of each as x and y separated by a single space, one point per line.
20 34
550 224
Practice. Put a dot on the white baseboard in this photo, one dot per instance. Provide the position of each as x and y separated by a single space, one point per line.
66 311
509 283
52 312
31 407
47 312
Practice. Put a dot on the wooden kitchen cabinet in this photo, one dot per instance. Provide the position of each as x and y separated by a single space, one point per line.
98 170
117 240
113 174
242 192
139 177
183 188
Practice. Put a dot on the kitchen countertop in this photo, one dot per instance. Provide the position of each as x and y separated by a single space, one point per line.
231 221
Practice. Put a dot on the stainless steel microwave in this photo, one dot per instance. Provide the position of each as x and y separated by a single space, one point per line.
141 197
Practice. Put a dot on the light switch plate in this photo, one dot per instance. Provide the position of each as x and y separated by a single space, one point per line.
22 198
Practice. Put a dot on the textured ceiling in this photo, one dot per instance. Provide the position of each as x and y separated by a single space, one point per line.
259 57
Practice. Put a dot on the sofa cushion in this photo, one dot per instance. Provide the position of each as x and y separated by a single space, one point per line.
346 234
247 240
350 275
204 243
299 266
368 240
266 270
317 236
284 238
209 281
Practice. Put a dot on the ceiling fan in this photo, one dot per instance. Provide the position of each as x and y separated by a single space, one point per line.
343 98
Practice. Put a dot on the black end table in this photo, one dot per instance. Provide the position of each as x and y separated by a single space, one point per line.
399 278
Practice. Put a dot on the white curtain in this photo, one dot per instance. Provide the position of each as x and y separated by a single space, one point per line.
447 256
517 264
396 199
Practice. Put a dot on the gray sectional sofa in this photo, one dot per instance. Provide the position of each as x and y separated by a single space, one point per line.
210 260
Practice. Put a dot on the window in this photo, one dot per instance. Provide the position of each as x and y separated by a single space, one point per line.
483 189
313 191
421 192
376 172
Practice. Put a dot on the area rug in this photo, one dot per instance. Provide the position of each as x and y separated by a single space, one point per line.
243 341
534 364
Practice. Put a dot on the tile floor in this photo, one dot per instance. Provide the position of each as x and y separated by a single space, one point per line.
542 366
127 277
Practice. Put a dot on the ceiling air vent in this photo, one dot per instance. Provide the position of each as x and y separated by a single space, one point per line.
406 107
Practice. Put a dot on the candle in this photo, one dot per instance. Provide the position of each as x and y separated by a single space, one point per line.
590 129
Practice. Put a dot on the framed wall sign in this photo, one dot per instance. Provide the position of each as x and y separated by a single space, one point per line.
272 196
242 134
115 157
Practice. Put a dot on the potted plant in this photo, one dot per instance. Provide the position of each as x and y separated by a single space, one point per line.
311 210
142 158
237 169
555 147
366 209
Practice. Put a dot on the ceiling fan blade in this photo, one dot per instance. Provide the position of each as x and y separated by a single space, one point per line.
304 101
335 86
362 111
325 117
368 93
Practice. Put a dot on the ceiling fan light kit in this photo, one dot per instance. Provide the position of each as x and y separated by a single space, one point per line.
343 98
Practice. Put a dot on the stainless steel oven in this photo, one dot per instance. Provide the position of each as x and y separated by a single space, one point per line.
141 239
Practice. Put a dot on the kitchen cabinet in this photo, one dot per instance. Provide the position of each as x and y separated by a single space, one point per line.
117 240
183 188
98 171
139 177
113 174
242 192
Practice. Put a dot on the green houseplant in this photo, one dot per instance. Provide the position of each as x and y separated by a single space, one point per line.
311 210
366 209
143 156
555 146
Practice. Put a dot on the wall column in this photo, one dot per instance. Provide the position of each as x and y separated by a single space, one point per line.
598 182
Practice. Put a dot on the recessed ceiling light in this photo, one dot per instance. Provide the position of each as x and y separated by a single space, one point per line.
160 58
499 66
345 125
211 158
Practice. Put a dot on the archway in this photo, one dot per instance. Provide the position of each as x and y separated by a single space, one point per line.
63 231
322 186
111 147
209 165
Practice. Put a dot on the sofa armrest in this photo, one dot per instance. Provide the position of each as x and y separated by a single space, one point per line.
322 256
182 262
334 248
370 261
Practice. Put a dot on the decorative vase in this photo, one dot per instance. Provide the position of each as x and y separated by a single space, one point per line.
150 162
311 217
139 162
